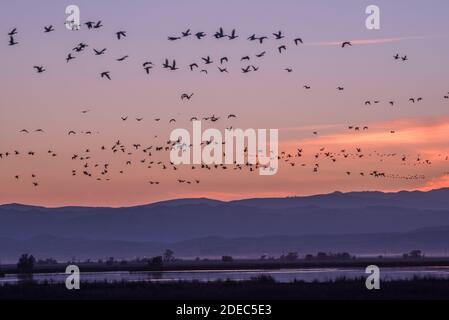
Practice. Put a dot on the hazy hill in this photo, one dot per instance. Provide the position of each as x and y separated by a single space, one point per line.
339 219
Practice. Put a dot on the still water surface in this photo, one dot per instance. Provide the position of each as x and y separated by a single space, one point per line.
280 275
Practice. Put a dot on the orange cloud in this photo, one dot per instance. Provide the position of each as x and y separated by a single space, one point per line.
420 134
436 183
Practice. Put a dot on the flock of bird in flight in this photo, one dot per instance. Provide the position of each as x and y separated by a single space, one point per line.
101 171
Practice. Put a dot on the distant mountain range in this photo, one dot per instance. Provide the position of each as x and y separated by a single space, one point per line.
362 222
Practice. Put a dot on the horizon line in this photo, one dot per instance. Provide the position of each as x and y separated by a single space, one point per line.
217 200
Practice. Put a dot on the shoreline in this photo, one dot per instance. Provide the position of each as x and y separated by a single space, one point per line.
218 265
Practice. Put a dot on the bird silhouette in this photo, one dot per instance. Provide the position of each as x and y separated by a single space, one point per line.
186 33
233 35
120 34
12 32
106 74
147 66
186 96
207 60
278 35
12 42
298 40
123 58
219 34
346 43
49 29
200 35
69 57
99 52
246 70
98 25
89 24
80 47
193 65
39 69
260 39
167 65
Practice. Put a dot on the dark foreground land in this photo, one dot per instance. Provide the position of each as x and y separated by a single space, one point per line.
262 288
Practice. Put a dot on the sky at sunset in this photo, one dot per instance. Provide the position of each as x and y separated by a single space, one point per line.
407 142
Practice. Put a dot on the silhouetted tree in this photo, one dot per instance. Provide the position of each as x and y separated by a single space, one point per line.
322 255
343 255
291 256
168 255
26 263
227 259
156 261
47 261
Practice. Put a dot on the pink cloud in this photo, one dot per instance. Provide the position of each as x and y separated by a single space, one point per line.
366 41
436 183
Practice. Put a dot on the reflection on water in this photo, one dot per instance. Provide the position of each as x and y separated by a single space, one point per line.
280 275
26 277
